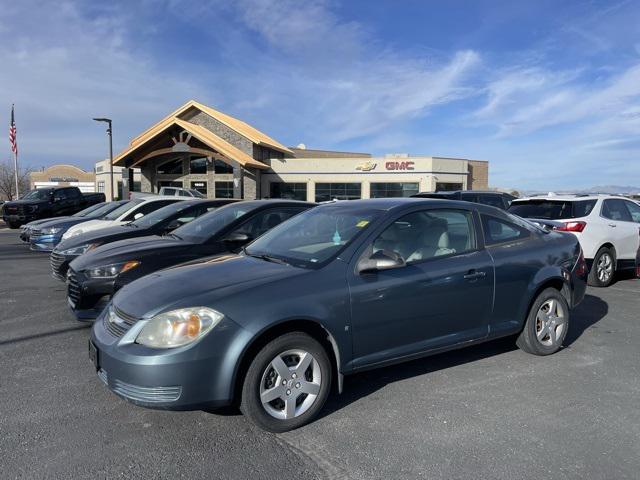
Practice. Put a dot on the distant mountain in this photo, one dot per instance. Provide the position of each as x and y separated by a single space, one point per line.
597 189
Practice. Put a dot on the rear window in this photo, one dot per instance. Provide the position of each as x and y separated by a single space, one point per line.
552 209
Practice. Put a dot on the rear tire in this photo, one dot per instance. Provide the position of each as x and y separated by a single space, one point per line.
287 383
547 324
603 268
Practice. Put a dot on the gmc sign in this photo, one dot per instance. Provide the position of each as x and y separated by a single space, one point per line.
399 165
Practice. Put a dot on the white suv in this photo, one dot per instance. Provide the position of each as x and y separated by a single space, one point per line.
607 226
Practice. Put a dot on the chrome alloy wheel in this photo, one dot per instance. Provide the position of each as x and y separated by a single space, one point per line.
604 267
290 384
550 322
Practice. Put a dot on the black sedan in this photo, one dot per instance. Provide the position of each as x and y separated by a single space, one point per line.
96 275
340 288
159 222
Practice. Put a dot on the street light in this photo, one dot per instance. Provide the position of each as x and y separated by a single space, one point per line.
109 132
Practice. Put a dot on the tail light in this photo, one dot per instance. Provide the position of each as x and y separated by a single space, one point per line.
581 266
572 227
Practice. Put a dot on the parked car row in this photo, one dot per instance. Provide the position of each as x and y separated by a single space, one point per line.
268 304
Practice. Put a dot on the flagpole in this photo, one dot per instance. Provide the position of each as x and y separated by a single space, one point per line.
15 171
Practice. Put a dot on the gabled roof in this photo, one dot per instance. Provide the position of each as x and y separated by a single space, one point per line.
244 129
202 134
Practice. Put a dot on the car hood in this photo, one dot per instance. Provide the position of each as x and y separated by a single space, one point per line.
63 222
88 227
37 223
104 235
131 248
25 202
200 284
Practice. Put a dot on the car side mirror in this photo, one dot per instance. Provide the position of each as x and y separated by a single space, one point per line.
173 225
381 260
138 215
237 238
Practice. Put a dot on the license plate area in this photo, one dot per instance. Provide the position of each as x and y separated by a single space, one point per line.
94 355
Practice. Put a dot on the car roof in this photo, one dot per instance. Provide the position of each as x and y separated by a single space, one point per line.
568 197
399 202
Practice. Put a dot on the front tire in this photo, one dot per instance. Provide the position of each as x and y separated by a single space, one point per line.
287 383
603 268
547 324
13 225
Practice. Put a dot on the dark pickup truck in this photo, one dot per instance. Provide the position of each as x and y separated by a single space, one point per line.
47 203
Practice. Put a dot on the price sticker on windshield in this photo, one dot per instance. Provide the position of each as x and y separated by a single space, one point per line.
362 223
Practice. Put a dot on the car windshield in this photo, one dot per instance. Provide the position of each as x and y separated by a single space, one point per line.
313 237
38 195
88 210
161 214
122 209
204 227
105 208
552 209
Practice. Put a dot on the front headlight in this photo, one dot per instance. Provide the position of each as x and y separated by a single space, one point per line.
79 250
178 327
111 270
51 230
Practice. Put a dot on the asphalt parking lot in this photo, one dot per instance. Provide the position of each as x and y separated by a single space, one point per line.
490 411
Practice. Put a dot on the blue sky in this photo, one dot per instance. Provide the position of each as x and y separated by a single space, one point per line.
547 91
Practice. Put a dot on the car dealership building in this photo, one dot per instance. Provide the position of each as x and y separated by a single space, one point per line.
223 157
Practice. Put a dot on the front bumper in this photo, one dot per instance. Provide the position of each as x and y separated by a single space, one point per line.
186 378
60 265
86 296
43 243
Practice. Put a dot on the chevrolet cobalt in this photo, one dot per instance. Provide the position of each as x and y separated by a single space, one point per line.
340 288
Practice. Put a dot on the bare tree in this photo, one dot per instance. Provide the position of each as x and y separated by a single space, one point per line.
8 182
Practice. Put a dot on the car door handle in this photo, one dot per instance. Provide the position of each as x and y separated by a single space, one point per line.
613 225
474 275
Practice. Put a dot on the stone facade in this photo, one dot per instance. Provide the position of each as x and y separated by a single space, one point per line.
478 175
221 130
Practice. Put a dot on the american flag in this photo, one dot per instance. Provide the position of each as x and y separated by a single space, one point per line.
12 133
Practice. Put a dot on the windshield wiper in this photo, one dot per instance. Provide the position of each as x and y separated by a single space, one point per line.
174 235
264 256
130 224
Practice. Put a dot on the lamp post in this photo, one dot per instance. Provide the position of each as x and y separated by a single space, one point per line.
110 133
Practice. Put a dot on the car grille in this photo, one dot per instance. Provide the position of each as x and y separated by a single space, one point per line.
58 265
120 328
146 394
73 287
34 233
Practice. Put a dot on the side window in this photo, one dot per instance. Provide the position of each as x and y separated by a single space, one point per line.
263 221
614 209
634 210
169 191
148 207
183 193
491 200
497 230
59 195
428 234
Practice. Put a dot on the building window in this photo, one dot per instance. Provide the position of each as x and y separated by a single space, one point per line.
291 191
200 186
222 167
198 165
447 187
385 190
172 167
224 189
338 191
100 187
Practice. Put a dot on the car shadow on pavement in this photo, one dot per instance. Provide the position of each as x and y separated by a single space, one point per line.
590 311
